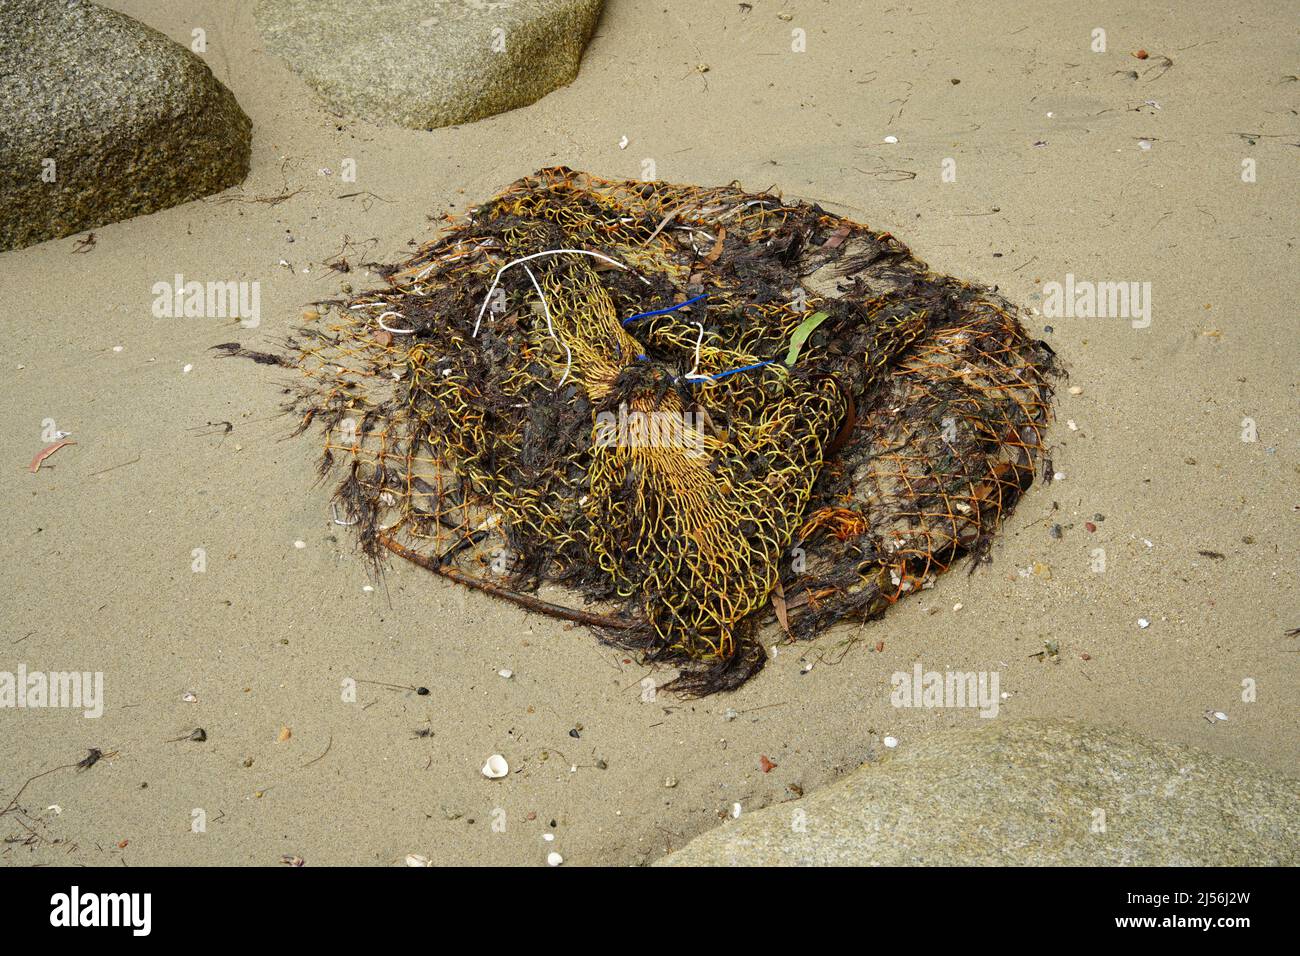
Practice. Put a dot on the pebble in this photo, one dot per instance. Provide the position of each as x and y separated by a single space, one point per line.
186 369
554 859
300 545
891 742
1076 389
414 859
958 606
891 139
1143 623
1220 715
506 672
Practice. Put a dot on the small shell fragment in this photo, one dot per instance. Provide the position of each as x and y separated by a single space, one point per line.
496 767
891 742
554 859
414 859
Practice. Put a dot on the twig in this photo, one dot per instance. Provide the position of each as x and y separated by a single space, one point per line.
113 467
523 600
67 766
322 756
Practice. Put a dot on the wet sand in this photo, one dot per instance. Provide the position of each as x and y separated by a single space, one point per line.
98 546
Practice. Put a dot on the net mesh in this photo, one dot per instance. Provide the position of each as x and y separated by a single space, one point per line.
685 406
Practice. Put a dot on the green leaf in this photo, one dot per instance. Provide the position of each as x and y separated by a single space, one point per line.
801 334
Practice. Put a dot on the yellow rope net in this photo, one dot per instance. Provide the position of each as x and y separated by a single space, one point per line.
674 402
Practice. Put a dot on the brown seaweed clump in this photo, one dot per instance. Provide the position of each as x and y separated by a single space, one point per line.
688 407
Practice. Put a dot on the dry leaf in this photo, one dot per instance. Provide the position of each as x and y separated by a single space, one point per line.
778 605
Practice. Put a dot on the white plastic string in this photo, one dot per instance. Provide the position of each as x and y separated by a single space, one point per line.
568 354
535 255
384 315
693 374
337 520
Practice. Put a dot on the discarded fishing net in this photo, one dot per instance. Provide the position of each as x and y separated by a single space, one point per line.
688 407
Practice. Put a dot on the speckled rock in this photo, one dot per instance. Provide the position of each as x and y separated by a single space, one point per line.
429 63
1027 792
132 121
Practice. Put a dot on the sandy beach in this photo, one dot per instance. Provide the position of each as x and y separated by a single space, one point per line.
1176 443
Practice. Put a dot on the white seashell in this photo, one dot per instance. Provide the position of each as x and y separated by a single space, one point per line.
891 742
496 767
1143 623
891 139
1220 715
554 859
506 672
414 859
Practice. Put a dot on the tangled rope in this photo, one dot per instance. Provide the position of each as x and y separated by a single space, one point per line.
682 401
